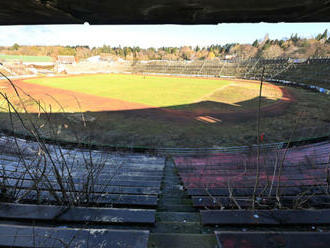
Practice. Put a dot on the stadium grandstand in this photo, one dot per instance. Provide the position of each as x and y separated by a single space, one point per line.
314 71
186 193
72 192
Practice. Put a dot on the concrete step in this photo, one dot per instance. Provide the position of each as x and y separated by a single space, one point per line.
176 227
176 208
167 240
177 217
174 200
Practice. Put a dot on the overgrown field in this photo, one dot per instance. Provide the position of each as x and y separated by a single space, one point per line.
154 91
148 90
153 111
25 58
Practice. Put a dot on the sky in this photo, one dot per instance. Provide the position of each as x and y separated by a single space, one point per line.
153 35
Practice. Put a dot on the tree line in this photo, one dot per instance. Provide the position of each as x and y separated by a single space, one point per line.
293 47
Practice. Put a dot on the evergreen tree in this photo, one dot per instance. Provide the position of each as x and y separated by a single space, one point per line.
255 43
325 34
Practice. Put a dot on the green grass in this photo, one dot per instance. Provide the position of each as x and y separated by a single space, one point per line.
5 57
140 128
149 90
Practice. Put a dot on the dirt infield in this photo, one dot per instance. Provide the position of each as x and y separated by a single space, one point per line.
72 101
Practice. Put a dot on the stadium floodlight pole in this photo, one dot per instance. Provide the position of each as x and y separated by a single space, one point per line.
258 140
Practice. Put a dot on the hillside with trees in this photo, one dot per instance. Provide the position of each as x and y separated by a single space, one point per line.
293 47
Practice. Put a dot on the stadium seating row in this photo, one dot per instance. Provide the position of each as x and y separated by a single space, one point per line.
83 188
230 180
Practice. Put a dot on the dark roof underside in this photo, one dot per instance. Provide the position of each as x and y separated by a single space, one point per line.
15 12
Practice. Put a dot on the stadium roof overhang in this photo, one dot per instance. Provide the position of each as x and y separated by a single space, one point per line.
14 12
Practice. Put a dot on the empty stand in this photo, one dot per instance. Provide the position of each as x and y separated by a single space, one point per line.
45 204
79 187
311 71
297 176
273 239
292 193
265 217
116 179
35 236
69 214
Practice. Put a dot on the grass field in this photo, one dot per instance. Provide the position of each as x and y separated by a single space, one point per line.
153 111
8 58
154 91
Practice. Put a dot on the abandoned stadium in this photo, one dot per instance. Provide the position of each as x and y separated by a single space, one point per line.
237 156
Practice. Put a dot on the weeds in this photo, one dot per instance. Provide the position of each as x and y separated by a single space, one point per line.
283 159
258 140
51 168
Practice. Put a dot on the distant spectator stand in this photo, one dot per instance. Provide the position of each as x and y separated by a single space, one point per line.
67 60
62 61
